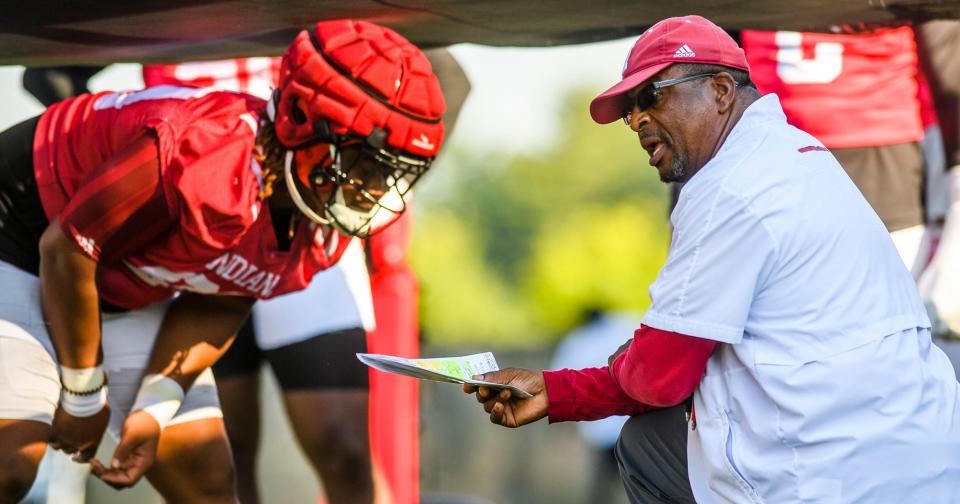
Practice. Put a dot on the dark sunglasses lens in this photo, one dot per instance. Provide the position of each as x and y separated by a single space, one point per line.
646 98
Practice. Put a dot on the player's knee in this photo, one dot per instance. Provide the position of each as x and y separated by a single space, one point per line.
244 448
217 483
354 457
345 454
351 470
17 473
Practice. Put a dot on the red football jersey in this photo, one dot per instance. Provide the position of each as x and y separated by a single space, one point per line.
202 228
928 107
256 76
846 90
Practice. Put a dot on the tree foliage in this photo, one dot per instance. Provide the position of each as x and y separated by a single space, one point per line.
511 249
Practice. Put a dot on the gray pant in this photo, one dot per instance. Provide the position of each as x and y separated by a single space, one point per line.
652 454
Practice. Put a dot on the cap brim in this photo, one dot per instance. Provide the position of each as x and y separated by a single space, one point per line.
611 104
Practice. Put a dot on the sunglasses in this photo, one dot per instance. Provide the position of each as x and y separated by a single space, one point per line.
649 94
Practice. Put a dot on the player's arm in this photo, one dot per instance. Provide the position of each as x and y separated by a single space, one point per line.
118 195
70 300
70 306
123 194
195 332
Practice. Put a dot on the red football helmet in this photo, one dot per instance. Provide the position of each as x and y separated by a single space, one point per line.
357 107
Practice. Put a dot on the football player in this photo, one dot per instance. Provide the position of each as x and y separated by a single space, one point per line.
114 203
309 338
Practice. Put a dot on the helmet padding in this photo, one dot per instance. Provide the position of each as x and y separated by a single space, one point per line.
357 77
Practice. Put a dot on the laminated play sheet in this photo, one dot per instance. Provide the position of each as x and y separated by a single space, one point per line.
445 369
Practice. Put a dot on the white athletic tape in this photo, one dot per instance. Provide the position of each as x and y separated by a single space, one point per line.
160 397
81 381
83 405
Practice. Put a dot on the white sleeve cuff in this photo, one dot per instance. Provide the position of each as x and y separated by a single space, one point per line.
716 332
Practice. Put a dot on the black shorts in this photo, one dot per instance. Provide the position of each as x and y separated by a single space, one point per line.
940 52
22 219
325 361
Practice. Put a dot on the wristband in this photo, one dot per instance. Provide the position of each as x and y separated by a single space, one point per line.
83 405
160 397
84 381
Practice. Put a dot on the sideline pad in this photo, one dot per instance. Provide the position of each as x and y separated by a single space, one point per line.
53 32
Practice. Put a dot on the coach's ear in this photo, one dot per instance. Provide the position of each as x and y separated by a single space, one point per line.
725 89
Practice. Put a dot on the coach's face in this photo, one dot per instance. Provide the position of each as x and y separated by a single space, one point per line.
680 126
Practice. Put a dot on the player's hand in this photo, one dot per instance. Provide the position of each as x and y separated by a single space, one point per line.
506 410
614 355
134 454
78 436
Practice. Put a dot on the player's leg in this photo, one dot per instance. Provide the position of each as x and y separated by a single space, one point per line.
29 385
310 339
52 84
22 444
29 382
238 382
325 391
193 461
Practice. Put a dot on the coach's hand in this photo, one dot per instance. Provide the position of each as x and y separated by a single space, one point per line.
134 454
78 436
506 410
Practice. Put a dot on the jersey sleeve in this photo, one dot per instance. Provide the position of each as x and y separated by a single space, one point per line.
212 187
719 259
120 206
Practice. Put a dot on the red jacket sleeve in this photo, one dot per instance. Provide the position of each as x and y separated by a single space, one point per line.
586 394
659 369
662 368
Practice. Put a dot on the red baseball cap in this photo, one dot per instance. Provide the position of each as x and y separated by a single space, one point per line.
688 39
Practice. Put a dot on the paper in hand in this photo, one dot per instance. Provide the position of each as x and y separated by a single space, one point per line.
445 369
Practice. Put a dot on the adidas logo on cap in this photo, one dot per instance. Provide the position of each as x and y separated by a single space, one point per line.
684 51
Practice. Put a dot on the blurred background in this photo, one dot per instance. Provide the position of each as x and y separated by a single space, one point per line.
532 216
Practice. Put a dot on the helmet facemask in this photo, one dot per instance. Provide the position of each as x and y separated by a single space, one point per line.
350 182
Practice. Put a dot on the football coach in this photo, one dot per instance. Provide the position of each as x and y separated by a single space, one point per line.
783 309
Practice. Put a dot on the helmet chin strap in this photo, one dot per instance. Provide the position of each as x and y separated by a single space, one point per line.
295 193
